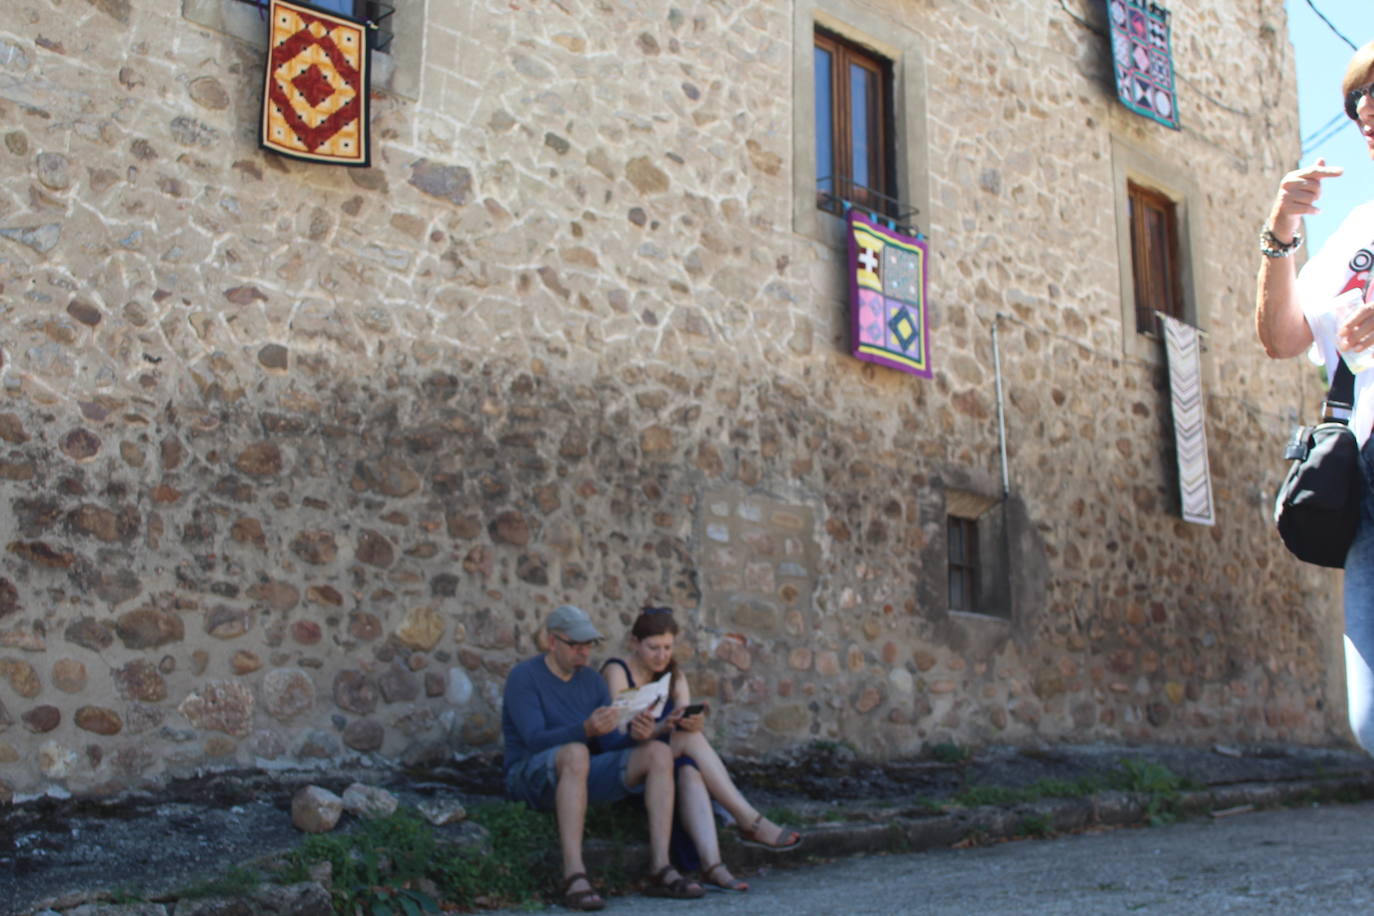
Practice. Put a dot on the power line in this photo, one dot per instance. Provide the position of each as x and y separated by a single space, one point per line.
1315 144
1339 116
1322 17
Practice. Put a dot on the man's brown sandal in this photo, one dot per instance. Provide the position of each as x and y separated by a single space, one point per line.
581 900
678 889
733 884
782 840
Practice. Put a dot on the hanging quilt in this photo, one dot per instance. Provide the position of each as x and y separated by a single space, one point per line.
887 297
1190 432
315 93
1143 59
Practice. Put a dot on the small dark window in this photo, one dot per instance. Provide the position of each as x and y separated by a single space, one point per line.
1154 256
853 97
962 534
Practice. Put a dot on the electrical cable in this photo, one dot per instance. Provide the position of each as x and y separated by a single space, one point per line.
1322 17
1339 116
1315 144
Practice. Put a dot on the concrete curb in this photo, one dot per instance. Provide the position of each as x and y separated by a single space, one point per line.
895 830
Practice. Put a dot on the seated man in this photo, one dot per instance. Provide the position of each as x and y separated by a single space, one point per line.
563 750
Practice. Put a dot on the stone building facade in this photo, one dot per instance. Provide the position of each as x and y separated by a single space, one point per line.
295 457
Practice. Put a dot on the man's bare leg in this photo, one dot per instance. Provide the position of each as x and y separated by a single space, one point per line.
571 764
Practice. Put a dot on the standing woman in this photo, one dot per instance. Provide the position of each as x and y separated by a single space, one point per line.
1328 303
701 776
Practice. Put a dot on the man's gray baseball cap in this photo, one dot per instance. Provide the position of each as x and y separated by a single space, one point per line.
573 623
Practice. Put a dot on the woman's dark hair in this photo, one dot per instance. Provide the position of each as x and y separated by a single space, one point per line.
656 621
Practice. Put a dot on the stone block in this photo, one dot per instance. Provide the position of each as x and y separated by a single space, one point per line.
140 680
369 801
42 719
364 735
398 685
441 812
421 629
22 677
144 628
287 693
225 706
315 810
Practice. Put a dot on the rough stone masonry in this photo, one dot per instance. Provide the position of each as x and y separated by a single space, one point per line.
296 457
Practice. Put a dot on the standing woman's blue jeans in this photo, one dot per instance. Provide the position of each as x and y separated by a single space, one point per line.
1359 611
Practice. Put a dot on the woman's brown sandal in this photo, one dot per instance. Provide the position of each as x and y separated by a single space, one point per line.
581 900
678 889
784 839
733 884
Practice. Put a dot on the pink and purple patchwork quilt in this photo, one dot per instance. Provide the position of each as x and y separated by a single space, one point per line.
887 297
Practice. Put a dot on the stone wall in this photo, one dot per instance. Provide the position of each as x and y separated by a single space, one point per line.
296 457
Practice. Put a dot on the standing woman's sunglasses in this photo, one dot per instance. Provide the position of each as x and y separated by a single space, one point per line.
1352 100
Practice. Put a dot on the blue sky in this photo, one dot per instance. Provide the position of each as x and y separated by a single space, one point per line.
1321 58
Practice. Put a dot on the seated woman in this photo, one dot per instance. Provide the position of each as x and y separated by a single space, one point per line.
701 776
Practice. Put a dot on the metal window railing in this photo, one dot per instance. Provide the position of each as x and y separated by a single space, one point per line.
375 16
840 194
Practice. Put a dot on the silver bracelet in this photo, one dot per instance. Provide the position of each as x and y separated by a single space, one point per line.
1271 247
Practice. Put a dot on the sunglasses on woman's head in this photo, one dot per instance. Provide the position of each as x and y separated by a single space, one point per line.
657 610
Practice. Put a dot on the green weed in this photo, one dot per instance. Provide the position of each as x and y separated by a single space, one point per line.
1158 783
949 752
784 817
379 868
519 866
236 882
975 796
1059 788
126 893
927 806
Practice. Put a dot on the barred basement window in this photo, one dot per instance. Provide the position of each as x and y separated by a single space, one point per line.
978 568
962 536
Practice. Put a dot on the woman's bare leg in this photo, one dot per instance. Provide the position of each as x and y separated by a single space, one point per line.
694 807
713 774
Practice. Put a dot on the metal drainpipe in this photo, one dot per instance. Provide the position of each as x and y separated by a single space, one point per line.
1012 602
1001 407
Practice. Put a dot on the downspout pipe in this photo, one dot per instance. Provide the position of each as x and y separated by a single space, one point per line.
1001 408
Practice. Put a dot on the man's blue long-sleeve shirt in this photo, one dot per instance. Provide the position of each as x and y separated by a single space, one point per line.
540 711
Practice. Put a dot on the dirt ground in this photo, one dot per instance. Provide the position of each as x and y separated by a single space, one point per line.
165 838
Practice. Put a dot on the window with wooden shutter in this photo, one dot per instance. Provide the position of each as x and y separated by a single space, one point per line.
853 117
1155 265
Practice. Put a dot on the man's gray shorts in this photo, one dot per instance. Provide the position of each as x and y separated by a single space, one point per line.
534 780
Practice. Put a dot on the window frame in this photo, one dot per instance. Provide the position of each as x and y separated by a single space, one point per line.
1153 292
1135 161
884 191
892 39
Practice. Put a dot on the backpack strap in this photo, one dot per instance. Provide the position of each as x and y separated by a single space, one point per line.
1340 397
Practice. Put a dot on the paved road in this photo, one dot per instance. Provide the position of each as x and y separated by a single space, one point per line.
1306 861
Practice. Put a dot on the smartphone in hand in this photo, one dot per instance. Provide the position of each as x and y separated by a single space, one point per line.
694 709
